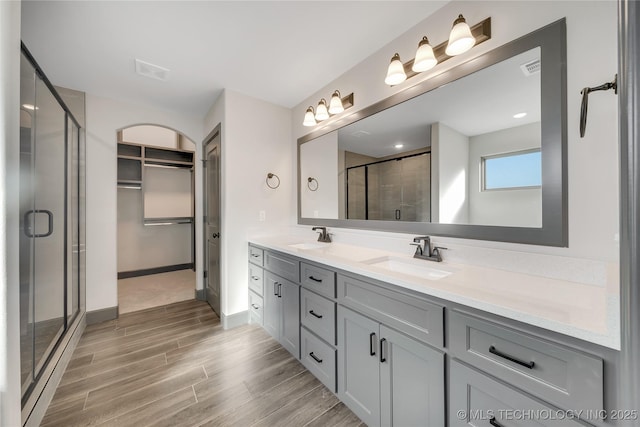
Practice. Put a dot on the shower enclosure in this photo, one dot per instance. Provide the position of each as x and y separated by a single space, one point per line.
51 248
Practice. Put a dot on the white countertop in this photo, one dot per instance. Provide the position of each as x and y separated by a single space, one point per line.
584 311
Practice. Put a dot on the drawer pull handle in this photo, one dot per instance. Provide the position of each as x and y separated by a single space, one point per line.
382 356
255 278
372 344
319 316
314 357
255 255
494 423
528 365
255 306
315 280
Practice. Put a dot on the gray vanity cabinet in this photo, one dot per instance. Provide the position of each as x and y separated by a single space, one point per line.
386 377
282 311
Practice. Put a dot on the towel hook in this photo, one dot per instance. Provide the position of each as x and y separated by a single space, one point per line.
585 101
270 176
310 185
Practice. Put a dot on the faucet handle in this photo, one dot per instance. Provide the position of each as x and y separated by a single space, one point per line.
436 252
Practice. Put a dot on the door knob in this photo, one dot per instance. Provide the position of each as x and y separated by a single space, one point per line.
215 235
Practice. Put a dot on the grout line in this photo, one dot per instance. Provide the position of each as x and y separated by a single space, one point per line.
322 414
205 372
86 398
193 387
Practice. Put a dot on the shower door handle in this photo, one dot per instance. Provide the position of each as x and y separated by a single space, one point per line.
27 229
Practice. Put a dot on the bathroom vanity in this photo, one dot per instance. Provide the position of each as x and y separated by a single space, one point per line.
408 342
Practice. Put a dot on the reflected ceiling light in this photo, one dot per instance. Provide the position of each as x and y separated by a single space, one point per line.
395 72
321 110
425 59
335 105
460 38
519 115
309 119
29 107
399 145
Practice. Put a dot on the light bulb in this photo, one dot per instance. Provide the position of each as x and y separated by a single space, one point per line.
460 39
425 59
309 119
395 72
335 105
321 111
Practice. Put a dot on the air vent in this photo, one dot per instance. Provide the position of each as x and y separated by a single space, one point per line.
152 71
360 133
530 68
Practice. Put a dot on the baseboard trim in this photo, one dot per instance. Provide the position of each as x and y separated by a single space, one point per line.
234 320
102 315
155 270
200 295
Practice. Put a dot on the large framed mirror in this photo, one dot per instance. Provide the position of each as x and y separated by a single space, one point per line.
478 151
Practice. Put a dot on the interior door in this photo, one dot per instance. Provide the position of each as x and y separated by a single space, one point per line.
212 221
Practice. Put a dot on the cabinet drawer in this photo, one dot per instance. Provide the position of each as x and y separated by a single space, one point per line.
416 317
256 306
256 279
256 255
282 265
475 399
318 314
557 374
319 358
318 279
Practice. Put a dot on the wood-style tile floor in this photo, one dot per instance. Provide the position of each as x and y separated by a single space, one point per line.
175 366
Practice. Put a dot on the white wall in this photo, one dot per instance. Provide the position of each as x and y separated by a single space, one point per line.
516 207
105 117
9 212
255 141
593 197
319 159
449 175
151 135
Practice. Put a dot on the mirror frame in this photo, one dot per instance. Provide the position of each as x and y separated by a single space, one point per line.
552 41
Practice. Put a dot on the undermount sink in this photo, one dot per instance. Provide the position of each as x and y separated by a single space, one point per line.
411 267
311 245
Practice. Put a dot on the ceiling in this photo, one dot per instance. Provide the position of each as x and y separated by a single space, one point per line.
276 51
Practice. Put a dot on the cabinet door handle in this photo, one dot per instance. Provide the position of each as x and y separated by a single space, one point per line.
372 344
319 316
279 290
314 357
494 423
315 280
255 306
275 288
254 278
528 365
382 357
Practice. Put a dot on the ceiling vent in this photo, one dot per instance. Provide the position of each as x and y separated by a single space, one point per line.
530 68
360 133
152 71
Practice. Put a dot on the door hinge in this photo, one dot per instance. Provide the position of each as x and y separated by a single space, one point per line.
205 274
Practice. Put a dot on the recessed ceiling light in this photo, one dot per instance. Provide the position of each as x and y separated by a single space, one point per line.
29 107
399 145
519 115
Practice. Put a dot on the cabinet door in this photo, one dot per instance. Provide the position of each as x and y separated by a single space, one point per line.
411 381
290 327
358 365
272 305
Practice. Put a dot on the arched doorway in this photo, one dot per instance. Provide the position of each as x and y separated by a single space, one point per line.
156 213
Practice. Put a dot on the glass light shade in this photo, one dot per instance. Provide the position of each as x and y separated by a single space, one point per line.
460 39
425 59
395 72
335 105
321 111
309 119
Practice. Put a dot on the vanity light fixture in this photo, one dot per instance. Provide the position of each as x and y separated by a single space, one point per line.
322 112
335 105
425 59
309 117
395 72
519 115
460 39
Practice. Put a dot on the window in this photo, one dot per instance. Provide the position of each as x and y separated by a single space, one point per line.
521 169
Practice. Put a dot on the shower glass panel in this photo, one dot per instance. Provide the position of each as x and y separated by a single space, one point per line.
398 189
51 223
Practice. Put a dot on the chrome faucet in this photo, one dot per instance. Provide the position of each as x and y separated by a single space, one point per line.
323 236
424 251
